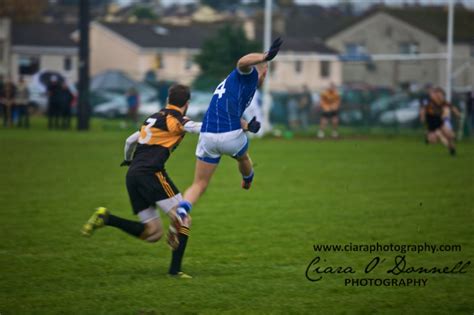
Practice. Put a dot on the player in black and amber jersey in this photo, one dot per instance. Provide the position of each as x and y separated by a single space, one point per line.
435 114
148 184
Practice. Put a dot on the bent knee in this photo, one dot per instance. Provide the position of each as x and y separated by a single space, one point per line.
154 237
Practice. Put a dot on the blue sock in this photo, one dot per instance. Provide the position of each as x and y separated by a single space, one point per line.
249 178
184 207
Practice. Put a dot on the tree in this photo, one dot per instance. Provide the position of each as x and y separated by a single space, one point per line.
219 55
218 4
144 13
23 10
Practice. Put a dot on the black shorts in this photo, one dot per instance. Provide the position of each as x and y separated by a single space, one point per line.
330 114
433 122
146 190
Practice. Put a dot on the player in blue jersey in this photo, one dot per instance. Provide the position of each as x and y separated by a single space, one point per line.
223 129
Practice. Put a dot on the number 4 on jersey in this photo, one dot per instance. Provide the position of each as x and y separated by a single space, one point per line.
220 90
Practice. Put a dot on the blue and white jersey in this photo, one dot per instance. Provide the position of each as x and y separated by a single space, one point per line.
230 99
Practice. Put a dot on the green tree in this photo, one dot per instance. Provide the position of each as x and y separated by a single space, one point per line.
23 10
144 13
218 4
219 55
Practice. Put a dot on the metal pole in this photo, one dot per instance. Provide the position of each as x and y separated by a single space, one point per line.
267 37
83 109
449 60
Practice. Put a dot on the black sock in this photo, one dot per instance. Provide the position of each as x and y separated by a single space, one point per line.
131 227
177 255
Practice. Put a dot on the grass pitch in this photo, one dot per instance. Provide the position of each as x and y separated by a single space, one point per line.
248 250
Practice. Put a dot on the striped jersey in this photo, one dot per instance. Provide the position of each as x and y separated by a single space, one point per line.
231 97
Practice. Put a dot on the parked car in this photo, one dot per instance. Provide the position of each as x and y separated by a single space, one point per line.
198 105
116 107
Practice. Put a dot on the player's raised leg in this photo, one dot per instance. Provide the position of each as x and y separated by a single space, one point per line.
246 169
202 177
150 228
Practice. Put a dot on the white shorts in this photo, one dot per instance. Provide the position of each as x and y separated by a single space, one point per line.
212 146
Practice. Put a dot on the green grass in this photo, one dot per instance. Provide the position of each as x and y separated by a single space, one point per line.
248 250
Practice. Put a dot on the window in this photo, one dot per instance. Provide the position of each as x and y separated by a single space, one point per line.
67 63
298 66
159 61
28 65
355 49
409 48
324 69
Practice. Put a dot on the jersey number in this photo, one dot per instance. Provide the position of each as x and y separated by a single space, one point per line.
148 133
220 90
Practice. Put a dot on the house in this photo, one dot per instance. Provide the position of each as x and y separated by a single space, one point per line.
410 32
43 46
169 50
166 50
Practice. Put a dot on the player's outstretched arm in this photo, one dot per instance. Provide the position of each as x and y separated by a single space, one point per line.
246 62
129 149
192 126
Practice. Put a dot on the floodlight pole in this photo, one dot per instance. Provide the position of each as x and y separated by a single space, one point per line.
83 109
267 37
449 44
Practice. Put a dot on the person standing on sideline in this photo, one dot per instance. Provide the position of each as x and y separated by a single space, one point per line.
8 100
22 101
66 99
330 103
304 107
133 102
54 102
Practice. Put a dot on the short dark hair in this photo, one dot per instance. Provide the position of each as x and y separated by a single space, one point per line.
440 90
178 95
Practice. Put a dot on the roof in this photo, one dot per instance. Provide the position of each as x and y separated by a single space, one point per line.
434 20
430 19
165 36
305 45
43 34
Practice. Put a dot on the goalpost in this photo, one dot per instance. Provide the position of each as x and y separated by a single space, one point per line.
447 56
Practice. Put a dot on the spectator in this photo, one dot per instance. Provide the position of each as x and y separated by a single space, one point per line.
22 101
330 103
470 110
2 108
133 102
66 98
8 100
54 102
293 119
304 107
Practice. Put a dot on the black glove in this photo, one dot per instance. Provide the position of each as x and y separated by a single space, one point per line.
273 51
126 163
254 125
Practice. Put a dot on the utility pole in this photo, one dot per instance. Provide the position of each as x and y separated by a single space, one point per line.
267 38
449 44
83 108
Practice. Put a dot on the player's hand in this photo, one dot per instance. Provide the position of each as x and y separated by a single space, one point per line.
125 163
254 125
274 48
